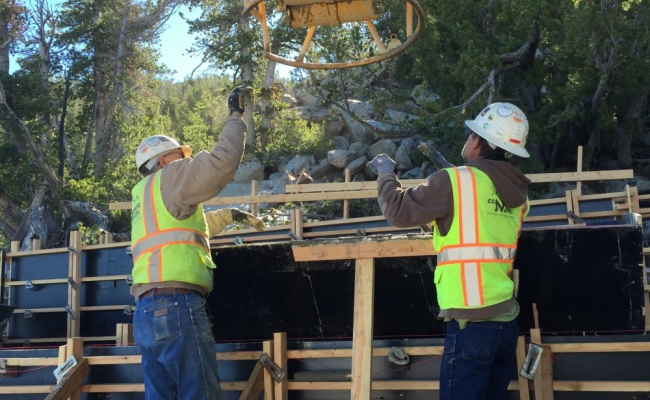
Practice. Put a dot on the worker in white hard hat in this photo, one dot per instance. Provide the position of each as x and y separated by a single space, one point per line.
172 263
476 212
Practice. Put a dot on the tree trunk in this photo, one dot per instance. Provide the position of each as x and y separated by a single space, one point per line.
631 122
247 79
39 159
266 123
106 131
10 216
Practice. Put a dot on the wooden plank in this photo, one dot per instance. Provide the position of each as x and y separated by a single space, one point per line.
281 389
269 382
124 335
70 385
535 178
64 280
346 203
364 288
255 384
368 189
416 245
74 290
579 170
601 386
524 390
84 308
74 348
545 369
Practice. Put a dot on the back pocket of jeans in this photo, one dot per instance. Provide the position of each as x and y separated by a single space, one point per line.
164 322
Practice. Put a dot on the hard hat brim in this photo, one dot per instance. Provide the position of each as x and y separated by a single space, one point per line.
518 151
187 151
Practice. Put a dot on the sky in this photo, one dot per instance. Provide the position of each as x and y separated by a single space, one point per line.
174 42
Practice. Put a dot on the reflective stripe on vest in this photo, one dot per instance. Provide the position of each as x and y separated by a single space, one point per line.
155 239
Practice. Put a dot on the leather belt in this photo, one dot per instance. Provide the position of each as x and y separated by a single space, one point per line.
167 291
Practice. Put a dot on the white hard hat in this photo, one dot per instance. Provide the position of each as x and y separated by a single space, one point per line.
154 146
503 125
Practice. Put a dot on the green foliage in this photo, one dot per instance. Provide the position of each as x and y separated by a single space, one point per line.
89 234
291 137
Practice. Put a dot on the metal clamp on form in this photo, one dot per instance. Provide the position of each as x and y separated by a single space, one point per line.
64 368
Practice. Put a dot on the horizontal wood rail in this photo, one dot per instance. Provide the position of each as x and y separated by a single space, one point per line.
434 351
368 189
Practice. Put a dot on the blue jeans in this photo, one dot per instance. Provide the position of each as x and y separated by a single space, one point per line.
178 348
479 361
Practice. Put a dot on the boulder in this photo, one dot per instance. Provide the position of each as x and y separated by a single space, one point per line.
340 142
385 146
248 171
299 164
340 158
358 148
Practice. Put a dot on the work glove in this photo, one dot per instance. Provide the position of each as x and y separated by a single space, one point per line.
382 164
432 154
220 219
236 98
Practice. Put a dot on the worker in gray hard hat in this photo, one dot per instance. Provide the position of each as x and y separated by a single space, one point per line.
476 212
172 263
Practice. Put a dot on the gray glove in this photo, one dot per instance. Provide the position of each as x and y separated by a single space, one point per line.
218 220
236 98
434 155
382 164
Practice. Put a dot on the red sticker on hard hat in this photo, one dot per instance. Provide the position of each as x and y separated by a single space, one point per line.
518 117
515 141
504 111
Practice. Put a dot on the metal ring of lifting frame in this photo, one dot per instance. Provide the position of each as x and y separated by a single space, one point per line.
251 4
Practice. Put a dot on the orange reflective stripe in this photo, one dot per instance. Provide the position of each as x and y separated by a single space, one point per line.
168 237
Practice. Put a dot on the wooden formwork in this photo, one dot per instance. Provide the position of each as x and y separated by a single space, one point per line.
362 352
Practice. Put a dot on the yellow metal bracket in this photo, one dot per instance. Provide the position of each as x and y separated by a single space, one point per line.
314 13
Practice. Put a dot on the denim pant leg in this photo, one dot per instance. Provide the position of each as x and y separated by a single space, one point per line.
479 361
175 337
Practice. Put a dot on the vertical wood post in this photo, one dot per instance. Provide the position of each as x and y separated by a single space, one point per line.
364 293
544 374
267 347
36 244
74 284
524 389
281 391
15 246
346 203
123 335
579 169
254 191
75 348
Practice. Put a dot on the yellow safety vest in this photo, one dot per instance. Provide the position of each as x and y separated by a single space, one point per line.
163 247
475 258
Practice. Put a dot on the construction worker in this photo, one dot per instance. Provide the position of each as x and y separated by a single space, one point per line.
172 264
477 212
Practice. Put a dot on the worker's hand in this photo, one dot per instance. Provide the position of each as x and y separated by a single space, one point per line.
247 219
236 98
218 220
434 155
382 164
